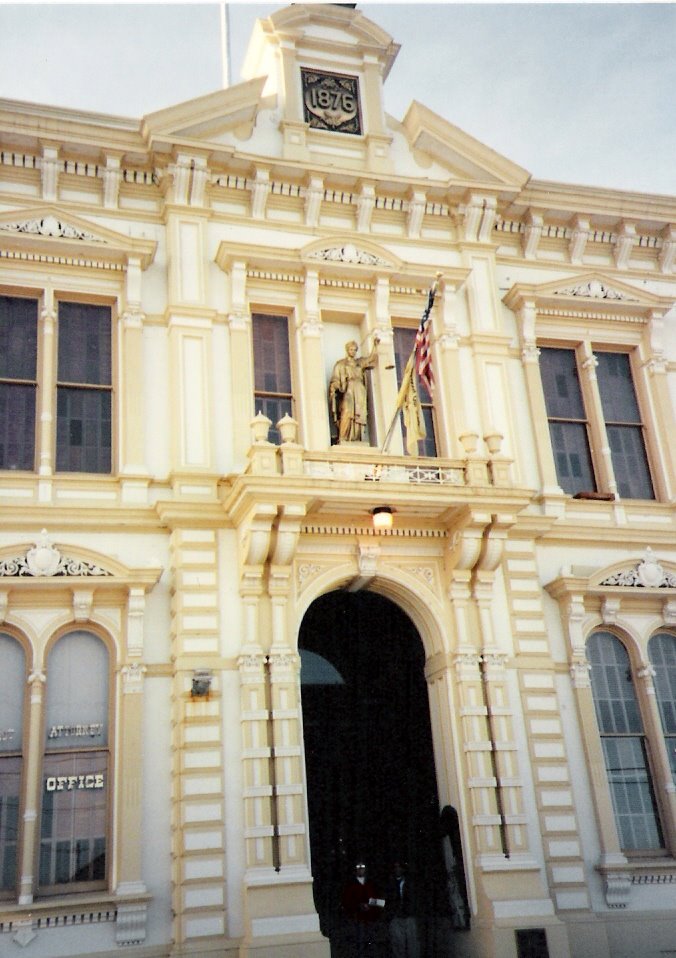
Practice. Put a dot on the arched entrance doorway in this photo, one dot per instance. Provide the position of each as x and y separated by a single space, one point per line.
371 780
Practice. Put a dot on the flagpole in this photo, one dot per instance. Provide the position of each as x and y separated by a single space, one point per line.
388 435
390 431
225 45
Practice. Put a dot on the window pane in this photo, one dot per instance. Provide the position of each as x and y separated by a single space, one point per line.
630 463
83 430
662 654
563 396
618 716
272 369
74 817
616 388
10 785
572 458
77 693
632 793
12 689
614 694
17 426
84 344
18 338
623 426
12 695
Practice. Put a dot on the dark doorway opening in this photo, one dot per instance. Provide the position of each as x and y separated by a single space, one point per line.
372 790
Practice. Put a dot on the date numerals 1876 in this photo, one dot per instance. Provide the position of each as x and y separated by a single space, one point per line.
331 101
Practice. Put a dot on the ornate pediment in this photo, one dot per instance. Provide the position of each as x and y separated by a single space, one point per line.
53 235
591 294
44 559
347 253
46 566
596 289
49 225
646 574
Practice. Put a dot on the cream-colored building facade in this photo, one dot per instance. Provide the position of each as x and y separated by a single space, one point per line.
151 596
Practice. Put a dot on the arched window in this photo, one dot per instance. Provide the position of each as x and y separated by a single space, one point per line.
662 655
624 747
75 786
12 694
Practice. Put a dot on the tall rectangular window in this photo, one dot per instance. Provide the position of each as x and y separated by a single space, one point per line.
18 381
624 744
75 772
84 389
662 653
623 426
404 339
272 370
12 689
578 464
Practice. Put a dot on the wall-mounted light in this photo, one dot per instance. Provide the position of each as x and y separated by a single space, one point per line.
201 684
382 517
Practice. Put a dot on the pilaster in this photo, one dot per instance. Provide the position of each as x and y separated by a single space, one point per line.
542 710
36 683
199 901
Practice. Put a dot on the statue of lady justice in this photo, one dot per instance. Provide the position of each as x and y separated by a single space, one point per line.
347 392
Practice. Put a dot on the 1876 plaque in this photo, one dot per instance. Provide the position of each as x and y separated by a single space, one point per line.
331 101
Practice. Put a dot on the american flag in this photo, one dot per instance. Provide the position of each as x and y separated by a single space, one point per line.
423 356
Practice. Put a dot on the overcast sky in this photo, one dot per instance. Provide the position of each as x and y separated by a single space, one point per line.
575 92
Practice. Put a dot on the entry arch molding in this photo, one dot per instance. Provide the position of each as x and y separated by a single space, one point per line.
405 582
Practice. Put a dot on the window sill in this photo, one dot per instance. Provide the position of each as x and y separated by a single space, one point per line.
619 877
128 911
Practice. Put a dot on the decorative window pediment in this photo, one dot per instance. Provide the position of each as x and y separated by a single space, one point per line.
347 253
52 235
43 561
649 573
589 295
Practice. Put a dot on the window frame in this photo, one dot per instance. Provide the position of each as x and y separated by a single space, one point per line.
96 885
427 404
634 600
647 746
264 312
100 302
595 422
47 384
9 896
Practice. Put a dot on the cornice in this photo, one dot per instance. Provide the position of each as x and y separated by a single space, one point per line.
642 208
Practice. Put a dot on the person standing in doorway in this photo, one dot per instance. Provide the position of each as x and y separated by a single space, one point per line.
360 904
400 914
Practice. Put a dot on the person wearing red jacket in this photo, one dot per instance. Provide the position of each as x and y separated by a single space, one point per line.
360 908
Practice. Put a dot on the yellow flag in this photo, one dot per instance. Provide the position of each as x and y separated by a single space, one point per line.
409 402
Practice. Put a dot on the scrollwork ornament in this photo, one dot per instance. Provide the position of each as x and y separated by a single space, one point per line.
595 289
49 226
348 253
647 574
44 559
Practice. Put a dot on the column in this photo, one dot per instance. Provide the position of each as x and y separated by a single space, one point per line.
34 750
47 397
314 407
241 362
132 408
450 410
530 359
